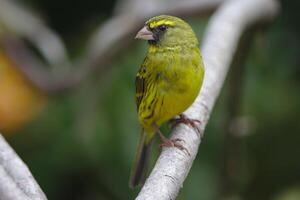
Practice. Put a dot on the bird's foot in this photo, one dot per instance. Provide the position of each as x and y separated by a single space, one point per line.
170 143
185 120
174 143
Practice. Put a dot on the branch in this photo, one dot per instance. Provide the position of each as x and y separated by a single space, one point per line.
150 8
21 21
220 43
110 38
17 183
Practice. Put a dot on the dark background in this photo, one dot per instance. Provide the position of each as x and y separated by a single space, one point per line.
81 144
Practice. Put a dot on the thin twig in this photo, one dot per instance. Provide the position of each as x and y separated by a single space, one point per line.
110 38
19 20
220 42
118 32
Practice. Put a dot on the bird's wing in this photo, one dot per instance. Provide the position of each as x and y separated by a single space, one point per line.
140 86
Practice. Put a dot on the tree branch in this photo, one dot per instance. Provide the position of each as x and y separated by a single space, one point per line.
220 43
21 21
17 183
112 36
109 39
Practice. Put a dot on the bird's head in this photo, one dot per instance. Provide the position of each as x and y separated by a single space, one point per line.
167 31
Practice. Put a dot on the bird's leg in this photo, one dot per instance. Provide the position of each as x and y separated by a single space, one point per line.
170 143
184 119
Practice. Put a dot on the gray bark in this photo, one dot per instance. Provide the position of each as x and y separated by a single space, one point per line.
219 45
16 181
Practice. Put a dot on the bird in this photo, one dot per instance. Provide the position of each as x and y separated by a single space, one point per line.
167 83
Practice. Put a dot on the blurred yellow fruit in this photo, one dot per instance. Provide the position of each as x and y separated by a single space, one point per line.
20 101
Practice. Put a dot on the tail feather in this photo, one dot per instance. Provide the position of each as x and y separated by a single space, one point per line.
142 161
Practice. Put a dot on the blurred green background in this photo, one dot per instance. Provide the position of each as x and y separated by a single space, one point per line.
81 145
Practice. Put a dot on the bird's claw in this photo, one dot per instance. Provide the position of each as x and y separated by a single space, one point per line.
175 143
192 122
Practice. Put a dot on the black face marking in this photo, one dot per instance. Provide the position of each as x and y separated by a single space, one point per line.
157 33
153 42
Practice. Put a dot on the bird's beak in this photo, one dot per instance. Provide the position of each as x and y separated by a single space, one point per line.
144 34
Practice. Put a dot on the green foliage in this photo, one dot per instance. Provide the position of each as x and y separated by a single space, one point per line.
82 145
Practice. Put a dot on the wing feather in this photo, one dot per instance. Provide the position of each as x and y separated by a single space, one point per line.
140 86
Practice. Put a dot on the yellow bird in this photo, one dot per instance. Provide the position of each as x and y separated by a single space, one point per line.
167 83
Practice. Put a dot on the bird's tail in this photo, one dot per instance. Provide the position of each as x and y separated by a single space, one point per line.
142 160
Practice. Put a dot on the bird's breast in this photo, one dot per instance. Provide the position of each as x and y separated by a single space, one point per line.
173 82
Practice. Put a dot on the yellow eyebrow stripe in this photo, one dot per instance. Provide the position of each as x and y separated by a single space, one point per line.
161 22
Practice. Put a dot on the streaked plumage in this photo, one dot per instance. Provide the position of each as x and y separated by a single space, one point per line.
167 82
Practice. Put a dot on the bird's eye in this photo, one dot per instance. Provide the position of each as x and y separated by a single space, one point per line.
162 27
